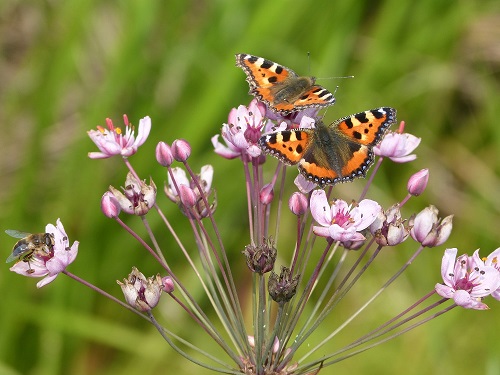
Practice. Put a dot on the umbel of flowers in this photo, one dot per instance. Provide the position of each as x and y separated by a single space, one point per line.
275 335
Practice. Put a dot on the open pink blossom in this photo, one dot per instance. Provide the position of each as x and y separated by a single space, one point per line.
113 141
52 264
242 132
398 147
342 222
467 279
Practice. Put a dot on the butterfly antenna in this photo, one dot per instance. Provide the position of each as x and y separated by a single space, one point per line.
327 108
336 88
336 77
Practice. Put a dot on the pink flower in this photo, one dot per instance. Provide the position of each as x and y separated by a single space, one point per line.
137 197
467 279
293 119
188 193
304 185
141 293
397 147
340 221
493 260
242 132
49 265
428 229
179 176
112 141
389 229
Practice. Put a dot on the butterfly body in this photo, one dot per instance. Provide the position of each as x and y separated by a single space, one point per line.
329 154
281 88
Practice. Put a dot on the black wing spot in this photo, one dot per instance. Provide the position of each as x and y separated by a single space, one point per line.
378 114
357 135
361 117
266 64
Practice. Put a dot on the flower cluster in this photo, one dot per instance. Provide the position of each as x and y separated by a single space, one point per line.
325 230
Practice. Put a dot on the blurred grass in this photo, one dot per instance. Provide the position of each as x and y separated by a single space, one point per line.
66 66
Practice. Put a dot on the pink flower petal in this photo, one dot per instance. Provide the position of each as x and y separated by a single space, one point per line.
320 208
321 231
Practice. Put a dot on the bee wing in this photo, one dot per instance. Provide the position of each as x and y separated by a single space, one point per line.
16 233
12 257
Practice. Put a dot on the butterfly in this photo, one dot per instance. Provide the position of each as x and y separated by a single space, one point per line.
281 88
329 154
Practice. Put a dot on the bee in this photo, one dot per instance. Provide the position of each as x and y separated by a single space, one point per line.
29 244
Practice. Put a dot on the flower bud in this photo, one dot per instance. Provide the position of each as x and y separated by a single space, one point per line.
418 182
276 344
187 196
110 205
251 341
353 245
181 150
282 287
164 154
168 284
298 204
267 194
260 259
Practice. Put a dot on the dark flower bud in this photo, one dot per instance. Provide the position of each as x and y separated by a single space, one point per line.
260 259
282 287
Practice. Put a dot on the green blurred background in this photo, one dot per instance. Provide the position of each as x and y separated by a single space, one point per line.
67 65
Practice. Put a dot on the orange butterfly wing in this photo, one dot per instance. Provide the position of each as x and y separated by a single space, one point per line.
281 88
367 127
288 146
339 152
